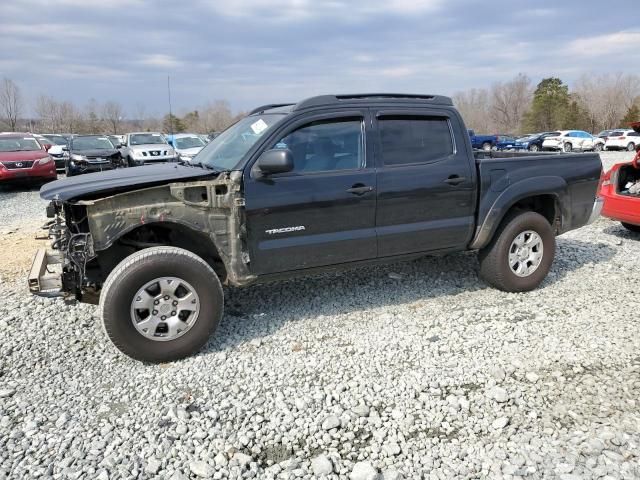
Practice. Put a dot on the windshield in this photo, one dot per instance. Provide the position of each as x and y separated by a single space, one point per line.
91 143
17 144
56 139
227 149
188 142
526 139
146 139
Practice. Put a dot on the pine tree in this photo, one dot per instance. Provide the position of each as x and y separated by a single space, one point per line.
632 115
549 106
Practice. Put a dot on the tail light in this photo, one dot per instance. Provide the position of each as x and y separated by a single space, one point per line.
622 138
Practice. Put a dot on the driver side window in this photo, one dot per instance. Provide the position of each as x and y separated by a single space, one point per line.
326 145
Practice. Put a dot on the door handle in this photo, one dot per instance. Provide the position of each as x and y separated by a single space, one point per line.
360 189
455 180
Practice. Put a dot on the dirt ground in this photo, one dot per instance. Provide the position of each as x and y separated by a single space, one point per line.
18 245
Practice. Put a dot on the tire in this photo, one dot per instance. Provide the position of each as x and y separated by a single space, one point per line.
631 147
598 147
631 227
486 146
130 162
567 147
534 148
124 285
495 267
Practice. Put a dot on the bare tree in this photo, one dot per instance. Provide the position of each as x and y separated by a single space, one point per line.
509 102
473 105
93 122
215 117
140 116
10 102
113 115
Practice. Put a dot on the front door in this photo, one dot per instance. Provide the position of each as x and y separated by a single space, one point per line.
321 213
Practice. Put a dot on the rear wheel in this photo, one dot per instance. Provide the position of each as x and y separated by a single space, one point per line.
631 147
161 304
631 227
520 254
597 147
567 147
534 148
486 146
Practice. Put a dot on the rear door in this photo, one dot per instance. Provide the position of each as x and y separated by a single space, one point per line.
323 212
426 183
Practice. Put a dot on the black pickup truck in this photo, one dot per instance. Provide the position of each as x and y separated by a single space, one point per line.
329 182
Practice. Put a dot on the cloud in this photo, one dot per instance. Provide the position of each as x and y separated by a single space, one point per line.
160 60
605 44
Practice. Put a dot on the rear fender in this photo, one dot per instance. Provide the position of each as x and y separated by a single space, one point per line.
495 205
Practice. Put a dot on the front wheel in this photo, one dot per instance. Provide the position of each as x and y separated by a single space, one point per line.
486 146
567 147
631 227
161 304
534 148
631 147
520 254
598 147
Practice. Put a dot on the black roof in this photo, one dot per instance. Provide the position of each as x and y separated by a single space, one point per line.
328 100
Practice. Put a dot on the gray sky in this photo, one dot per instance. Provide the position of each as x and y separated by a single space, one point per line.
260 51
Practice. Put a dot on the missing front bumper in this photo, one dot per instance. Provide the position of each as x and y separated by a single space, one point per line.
45 276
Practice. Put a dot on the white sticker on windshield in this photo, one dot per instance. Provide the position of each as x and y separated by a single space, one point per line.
259 127
102 138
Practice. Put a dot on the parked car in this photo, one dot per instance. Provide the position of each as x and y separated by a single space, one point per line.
292 190
533 142
186 145
23 158
506 142
57 151
569 140
91 153
620 189
623 139
140 148
204 138
115 141
484 142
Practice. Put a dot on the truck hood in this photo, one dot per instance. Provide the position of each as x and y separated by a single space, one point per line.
120 180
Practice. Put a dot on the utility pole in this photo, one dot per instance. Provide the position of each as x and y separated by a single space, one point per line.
170 114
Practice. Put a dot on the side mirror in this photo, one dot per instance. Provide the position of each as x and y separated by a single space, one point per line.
47 146
65 148
278 160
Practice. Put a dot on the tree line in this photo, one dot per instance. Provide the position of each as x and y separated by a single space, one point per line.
595 103
110 117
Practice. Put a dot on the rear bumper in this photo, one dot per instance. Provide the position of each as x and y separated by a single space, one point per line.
45 276
623 208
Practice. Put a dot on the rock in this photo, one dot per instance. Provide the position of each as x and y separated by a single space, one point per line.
392 474
500 423
7 392
361 410
201 469
221 460
499 394
363 471
391 449
242 459
181 429
321 465
498 374
532 377
153 466
330 422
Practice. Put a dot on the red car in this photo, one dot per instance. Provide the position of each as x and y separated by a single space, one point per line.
620 189
23 158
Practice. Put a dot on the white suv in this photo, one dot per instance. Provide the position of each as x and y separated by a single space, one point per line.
622 140
570 140
142 148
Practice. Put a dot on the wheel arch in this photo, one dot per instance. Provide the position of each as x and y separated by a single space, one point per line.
544 195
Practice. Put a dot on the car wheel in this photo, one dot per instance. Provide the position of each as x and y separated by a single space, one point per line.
161 304
631 227
631 147
486 146
130 162
598 147
520 254
567 147
534 148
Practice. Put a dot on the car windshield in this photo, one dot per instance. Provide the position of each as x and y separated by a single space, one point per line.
228 149
146 139
56 139
91 143
526 139
188 142
17 144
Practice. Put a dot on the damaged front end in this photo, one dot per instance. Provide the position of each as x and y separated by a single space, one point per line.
61 270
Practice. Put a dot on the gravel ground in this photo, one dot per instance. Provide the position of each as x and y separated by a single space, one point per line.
414 370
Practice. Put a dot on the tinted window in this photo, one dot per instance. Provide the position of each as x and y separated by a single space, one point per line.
326 145
634 134
616 134
407 140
